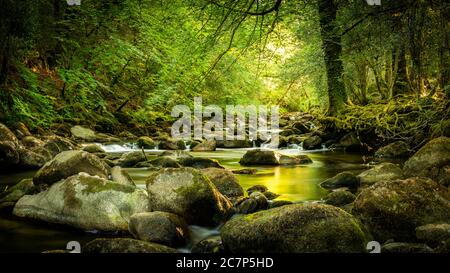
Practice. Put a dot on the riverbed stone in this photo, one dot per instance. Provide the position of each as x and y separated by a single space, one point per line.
294 229
30 159
257 188
205 146
146 142
393 209
159 227
83 133
312 143
341 180
434 234
225 182
130 159
432 161
7 135
209 245
93 148
9 197
165 162
381 172
69 163
9 154
125 245
200 162
395 150
294 160
255 202
339 198
260 157
189 194
85 202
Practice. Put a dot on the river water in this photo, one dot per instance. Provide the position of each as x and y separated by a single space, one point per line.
293 183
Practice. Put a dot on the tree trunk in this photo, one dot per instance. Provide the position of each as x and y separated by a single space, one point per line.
332 47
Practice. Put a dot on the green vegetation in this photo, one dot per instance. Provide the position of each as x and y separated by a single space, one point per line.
119 63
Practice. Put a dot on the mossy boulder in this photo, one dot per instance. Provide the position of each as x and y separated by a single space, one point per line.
434 234
164 162
339 198
69 163
85 202
205 146
9 197
341 180
225 182
398 149
83 134
93 148
171 144
125 245
432 161
380 172
393 209
199 162
189 194
294 160
130 159
313 142
7 135
255 202
146 143
260 157
296 228
159 227
9 154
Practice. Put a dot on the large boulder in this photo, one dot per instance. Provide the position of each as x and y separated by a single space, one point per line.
130 159
339 198
294 229
146 143
69 163
189 194
313 142
393 209
381 172
83 134
85 202
225 182
260 157
341 180
125 245
159 227
398 149
434 234
205 146
294 160
199 162
432 161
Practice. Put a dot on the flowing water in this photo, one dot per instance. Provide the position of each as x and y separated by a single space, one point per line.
294 183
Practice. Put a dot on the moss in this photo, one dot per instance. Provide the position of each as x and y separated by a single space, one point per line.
95 185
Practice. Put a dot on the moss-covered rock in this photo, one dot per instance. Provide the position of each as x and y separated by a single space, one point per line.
294 229
130 159
164 162
225 182
199 162
69 163
93 148
146 143
205 146
313 142
9 197
380 172
159 227
393 209
189 194
434 234
85 202
294 160
125 245
83 134
260 157
341 180
398 149
432 160
339 198
209 245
